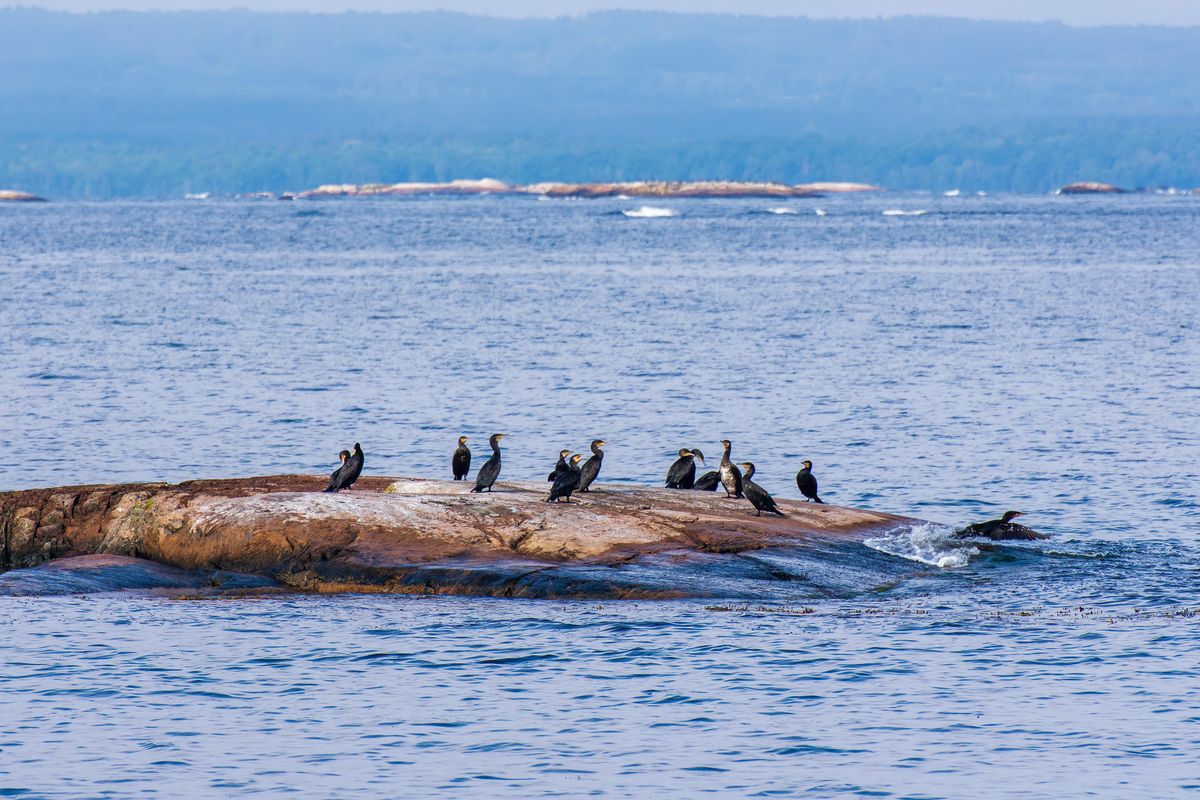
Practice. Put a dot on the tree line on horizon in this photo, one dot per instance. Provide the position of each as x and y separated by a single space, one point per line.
158 104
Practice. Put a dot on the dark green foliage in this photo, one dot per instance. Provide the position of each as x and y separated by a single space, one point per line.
161 103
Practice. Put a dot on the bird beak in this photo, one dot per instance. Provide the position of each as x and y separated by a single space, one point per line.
698 455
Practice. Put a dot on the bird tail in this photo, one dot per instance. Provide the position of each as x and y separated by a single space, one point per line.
777 511
818 500
329 488
477 489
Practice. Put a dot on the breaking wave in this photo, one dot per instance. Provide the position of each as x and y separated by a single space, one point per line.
649 211
782 210
928 543
899 212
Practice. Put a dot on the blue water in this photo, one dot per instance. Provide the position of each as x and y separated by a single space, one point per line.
1035 353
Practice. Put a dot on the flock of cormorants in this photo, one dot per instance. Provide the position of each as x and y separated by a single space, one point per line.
568 476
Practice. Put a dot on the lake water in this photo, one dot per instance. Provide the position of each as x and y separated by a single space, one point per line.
1037 353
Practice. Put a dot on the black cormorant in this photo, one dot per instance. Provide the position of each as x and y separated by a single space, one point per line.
461 462
591 467
759 497
491 468
731 476
1000 529
708 482
567 481
806 482
682 474
560 466
333 476
345 476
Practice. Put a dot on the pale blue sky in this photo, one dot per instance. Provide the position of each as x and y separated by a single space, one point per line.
1076 12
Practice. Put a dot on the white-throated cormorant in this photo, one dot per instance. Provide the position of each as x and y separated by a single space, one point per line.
731 476
333 476
491 468
345 476
682 474
708 482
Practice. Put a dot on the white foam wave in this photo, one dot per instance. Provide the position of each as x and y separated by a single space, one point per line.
622 197
783 210
649 211
981 194
952 193
821 212
928 543
196 196
899 212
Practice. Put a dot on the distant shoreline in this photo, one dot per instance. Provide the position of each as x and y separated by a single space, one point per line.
640 189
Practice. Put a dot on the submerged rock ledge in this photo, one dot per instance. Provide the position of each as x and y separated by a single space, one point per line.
417 536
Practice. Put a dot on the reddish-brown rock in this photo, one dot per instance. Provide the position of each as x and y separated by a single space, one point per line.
411 535
1090 187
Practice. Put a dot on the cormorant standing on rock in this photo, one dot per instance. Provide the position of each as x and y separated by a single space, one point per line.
345 475
333 476
1000 529
708 482
561 466
731 476
759 497
591 467
682 474
806 482
491 468
461 463
567 481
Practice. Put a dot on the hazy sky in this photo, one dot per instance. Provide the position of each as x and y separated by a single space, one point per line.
1076 12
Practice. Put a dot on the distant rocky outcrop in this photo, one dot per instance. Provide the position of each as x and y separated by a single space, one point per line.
839 187
648 189
482 186
412 535
1090 187
667 189
11 196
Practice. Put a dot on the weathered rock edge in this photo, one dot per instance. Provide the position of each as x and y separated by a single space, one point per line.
409 535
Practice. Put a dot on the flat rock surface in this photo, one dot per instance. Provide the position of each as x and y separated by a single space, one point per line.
414 535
